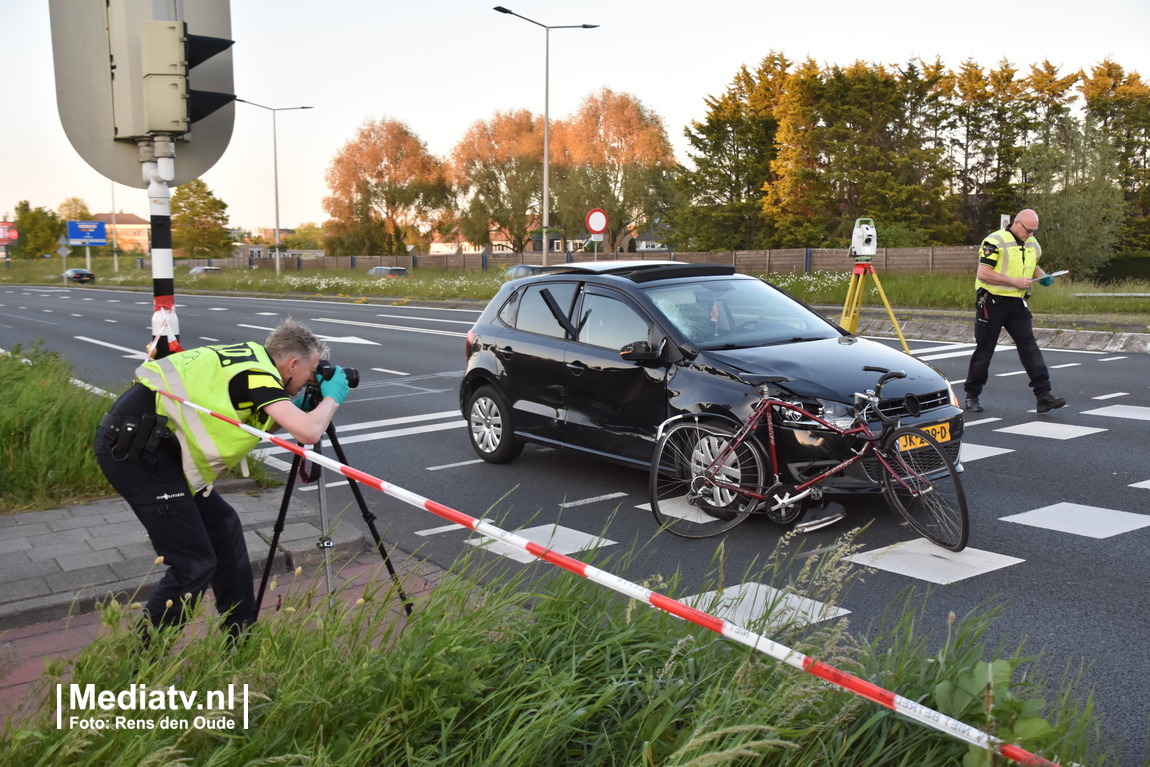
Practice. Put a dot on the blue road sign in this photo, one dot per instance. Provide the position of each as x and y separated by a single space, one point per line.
87 233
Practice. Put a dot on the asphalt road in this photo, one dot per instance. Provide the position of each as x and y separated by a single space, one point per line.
1060 503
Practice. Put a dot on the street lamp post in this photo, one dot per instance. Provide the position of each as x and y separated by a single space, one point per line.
275 169
546 116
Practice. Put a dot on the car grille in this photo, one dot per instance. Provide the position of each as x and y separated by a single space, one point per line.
874 469
931 401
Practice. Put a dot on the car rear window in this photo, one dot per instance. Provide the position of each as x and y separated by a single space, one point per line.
534 316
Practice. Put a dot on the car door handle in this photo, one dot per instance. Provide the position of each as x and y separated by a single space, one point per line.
576 367
506 352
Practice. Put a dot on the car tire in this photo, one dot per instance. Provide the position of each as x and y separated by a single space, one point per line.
489 426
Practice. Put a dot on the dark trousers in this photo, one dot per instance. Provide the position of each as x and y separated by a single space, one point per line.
992 315
200 537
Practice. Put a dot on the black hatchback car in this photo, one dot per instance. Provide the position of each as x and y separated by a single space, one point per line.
82 276
596 358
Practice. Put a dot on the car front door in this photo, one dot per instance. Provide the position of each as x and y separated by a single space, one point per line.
613 405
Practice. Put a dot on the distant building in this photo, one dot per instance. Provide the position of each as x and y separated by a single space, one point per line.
127 231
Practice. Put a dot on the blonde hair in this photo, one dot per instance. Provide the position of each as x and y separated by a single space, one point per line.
293 339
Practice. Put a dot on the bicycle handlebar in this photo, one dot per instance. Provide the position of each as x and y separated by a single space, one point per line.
875 396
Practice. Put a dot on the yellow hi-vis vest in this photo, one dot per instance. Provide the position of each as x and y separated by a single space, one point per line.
1014 260
202 375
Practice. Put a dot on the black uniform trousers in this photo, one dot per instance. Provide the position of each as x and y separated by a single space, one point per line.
199 536
992 315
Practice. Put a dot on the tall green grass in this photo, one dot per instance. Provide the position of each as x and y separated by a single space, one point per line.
46 429
556 673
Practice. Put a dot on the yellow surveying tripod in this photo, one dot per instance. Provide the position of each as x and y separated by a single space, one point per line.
864 244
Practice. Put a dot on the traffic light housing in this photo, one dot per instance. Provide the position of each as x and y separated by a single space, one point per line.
151 73
123 76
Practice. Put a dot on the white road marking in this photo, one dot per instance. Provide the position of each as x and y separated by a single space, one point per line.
328 339
923 560
455 465
596 499
390 327
135 354
1076 519
562 540
1049 430
1132 412
749 603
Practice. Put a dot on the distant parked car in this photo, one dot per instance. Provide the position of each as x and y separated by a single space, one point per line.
526 270
79 275
205 270
388 272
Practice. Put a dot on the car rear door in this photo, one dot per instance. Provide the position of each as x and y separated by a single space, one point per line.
613 405
532 353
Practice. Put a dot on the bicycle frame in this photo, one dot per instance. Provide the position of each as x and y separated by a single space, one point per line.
763 412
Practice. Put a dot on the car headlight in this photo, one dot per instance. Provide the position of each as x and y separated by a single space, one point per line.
953 396
837 413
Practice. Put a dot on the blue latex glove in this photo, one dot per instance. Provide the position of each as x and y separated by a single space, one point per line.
1046 281
335 387
302 401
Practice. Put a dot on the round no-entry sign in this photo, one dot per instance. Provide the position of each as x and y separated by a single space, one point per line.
596 221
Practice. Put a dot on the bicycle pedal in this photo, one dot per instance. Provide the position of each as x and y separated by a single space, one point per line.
819 524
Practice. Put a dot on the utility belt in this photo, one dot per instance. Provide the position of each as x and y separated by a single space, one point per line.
130 436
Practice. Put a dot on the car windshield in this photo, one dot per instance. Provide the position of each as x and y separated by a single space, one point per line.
737 313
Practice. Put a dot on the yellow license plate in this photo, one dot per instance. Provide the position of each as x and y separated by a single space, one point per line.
940 431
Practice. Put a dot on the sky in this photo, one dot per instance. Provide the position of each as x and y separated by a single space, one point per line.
441 65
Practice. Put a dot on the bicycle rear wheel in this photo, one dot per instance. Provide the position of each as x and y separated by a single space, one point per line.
923 486
700 482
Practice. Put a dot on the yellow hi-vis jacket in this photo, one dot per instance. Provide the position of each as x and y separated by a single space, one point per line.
202 375
1002 251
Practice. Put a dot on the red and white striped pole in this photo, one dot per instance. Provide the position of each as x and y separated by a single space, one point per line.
861 687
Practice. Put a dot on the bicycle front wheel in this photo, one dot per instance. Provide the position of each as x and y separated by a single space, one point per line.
701 480
921 483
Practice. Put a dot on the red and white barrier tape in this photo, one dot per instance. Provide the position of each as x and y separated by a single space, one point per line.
861 687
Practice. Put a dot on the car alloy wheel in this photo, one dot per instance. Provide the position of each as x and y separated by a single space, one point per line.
489 426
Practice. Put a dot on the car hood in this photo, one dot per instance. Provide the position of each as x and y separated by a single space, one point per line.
831 368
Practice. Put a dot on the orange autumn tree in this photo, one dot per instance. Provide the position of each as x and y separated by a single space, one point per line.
387 191
612 154
498 168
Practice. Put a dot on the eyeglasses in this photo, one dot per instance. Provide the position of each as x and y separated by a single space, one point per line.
1029 232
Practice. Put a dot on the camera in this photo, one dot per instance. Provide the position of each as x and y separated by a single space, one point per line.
325 370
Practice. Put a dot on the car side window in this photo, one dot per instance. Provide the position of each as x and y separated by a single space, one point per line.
610 323
534 315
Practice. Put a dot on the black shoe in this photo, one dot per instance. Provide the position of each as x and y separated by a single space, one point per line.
1047 401
973 405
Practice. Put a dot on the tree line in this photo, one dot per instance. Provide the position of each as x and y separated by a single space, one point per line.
788 155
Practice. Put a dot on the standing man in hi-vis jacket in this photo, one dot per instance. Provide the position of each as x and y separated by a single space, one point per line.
1007 267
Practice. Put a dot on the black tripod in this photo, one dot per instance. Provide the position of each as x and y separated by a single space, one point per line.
325 542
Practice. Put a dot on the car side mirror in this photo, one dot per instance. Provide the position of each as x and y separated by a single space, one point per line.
639 351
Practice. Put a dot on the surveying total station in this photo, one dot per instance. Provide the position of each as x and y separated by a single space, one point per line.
864 244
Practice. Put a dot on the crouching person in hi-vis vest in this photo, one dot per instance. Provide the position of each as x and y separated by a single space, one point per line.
1007 267
163 456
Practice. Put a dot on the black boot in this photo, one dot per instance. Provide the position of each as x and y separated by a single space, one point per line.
973 405
1047 401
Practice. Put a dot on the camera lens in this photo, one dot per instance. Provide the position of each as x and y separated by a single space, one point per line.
325 370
